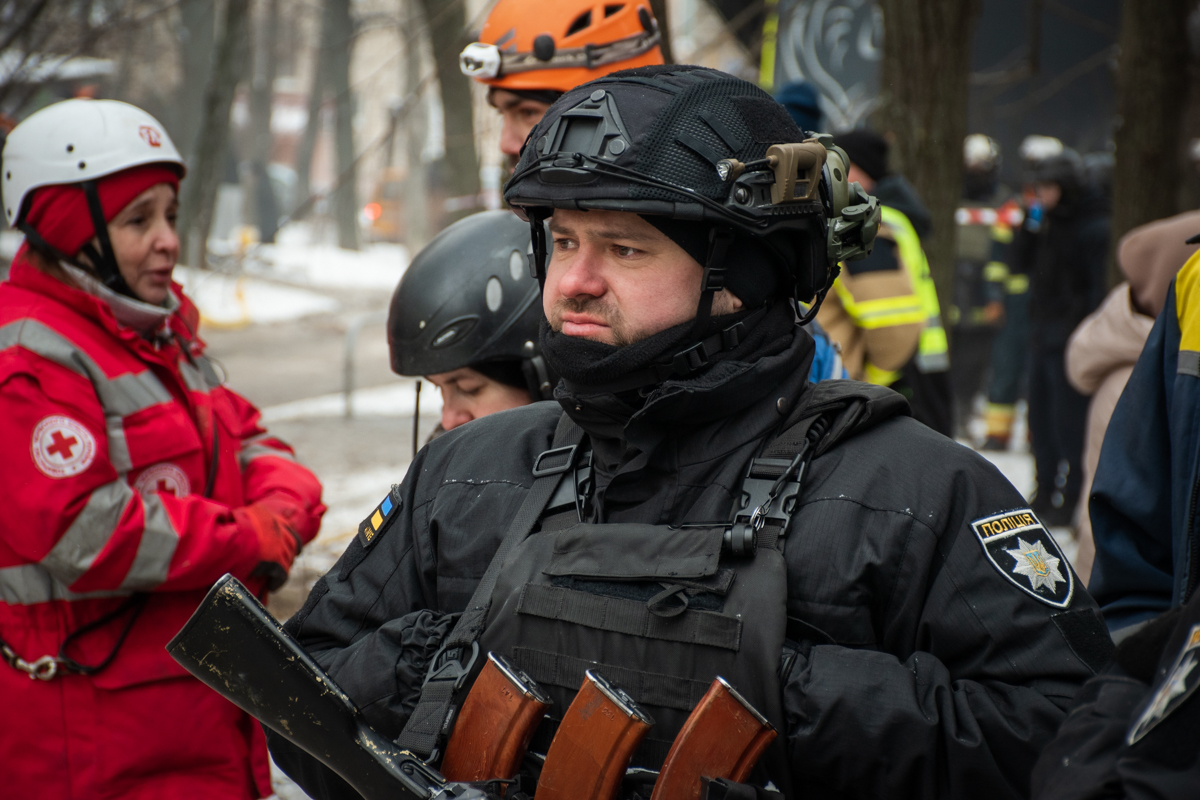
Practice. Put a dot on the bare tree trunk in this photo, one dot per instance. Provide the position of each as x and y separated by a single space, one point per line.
345 193
923 88
1151 98
198 19
260 200
312 128
416 185
212 146
447 37
659 7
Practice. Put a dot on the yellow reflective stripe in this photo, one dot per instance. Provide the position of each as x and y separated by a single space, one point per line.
879 377
1017 284
913 258
933 341
1187 303
882 313
995 271
1002 233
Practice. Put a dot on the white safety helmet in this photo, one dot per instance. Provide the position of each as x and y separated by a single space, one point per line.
80 140
980 152
1039 148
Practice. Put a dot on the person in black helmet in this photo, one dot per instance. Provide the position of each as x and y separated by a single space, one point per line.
919 634
465 316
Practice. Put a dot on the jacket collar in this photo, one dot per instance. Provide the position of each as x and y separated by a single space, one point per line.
137 324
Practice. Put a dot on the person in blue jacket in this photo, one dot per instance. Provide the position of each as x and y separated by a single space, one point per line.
1144 497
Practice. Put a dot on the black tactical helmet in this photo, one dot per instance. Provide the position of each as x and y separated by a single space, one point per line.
468 299
691 143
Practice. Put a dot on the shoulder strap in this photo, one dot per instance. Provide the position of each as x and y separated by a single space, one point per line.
435 710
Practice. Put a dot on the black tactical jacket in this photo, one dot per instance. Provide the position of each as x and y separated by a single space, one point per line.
925 672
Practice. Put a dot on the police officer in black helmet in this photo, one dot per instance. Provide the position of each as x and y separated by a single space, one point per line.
465 316
692 507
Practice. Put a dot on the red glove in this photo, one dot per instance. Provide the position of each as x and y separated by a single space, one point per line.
278 542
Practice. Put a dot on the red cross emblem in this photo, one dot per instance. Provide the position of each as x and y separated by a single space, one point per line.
62 447
164 478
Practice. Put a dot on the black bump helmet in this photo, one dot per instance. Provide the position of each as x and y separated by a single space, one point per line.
468 300
695 144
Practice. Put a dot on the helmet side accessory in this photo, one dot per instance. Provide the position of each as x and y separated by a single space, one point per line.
694 144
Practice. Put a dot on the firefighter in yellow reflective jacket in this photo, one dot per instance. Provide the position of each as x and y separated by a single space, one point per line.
923 378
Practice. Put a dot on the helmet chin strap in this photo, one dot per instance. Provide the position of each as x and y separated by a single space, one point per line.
103 262
713 279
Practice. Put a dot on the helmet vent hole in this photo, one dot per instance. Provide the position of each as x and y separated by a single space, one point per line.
8 175
83 165
837 174
612 8
494 294
582 22
516 265
646 20
70 148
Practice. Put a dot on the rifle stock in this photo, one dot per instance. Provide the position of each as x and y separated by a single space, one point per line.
594 743
723 737
495 725
237 648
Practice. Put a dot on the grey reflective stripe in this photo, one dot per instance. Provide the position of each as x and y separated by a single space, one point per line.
251 449
120 396
1189 363
89 532
933 362
118 448
31 583
159 539
193 378
629 616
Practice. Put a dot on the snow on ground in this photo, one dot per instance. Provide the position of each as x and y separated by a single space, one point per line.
238 300
393 400
296 258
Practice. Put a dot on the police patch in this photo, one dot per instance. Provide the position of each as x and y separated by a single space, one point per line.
1024 552
371 528
1176 688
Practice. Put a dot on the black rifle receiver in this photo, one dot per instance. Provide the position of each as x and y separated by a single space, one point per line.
237 648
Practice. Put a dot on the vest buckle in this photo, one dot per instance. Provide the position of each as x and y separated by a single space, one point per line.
447 665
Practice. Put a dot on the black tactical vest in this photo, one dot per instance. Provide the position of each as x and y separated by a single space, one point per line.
657 610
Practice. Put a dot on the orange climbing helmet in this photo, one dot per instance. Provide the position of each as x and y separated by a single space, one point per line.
558 44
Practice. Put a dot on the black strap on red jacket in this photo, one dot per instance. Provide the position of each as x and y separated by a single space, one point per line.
431 720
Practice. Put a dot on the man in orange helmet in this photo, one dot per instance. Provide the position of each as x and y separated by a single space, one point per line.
530 52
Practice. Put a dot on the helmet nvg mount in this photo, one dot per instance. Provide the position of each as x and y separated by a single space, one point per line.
533 45
468 299
710 148
77 142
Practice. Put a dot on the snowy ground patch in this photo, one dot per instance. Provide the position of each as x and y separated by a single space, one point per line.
238 300
393 400
296 259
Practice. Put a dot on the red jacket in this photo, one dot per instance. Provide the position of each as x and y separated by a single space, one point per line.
107 444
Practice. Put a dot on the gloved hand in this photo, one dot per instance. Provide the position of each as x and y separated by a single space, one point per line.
278 542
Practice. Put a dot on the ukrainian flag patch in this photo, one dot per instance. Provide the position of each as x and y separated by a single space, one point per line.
379 520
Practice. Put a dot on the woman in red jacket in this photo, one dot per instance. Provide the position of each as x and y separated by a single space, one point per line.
132 479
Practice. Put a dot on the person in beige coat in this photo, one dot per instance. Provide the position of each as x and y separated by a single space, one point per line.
1103 349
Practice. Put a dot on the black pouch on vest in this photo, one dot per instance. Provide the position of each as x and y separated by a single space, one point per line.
654 609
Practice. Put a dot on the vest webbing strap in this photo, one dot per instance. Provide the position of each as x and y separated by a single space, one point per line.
630 617
650 688
452 665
